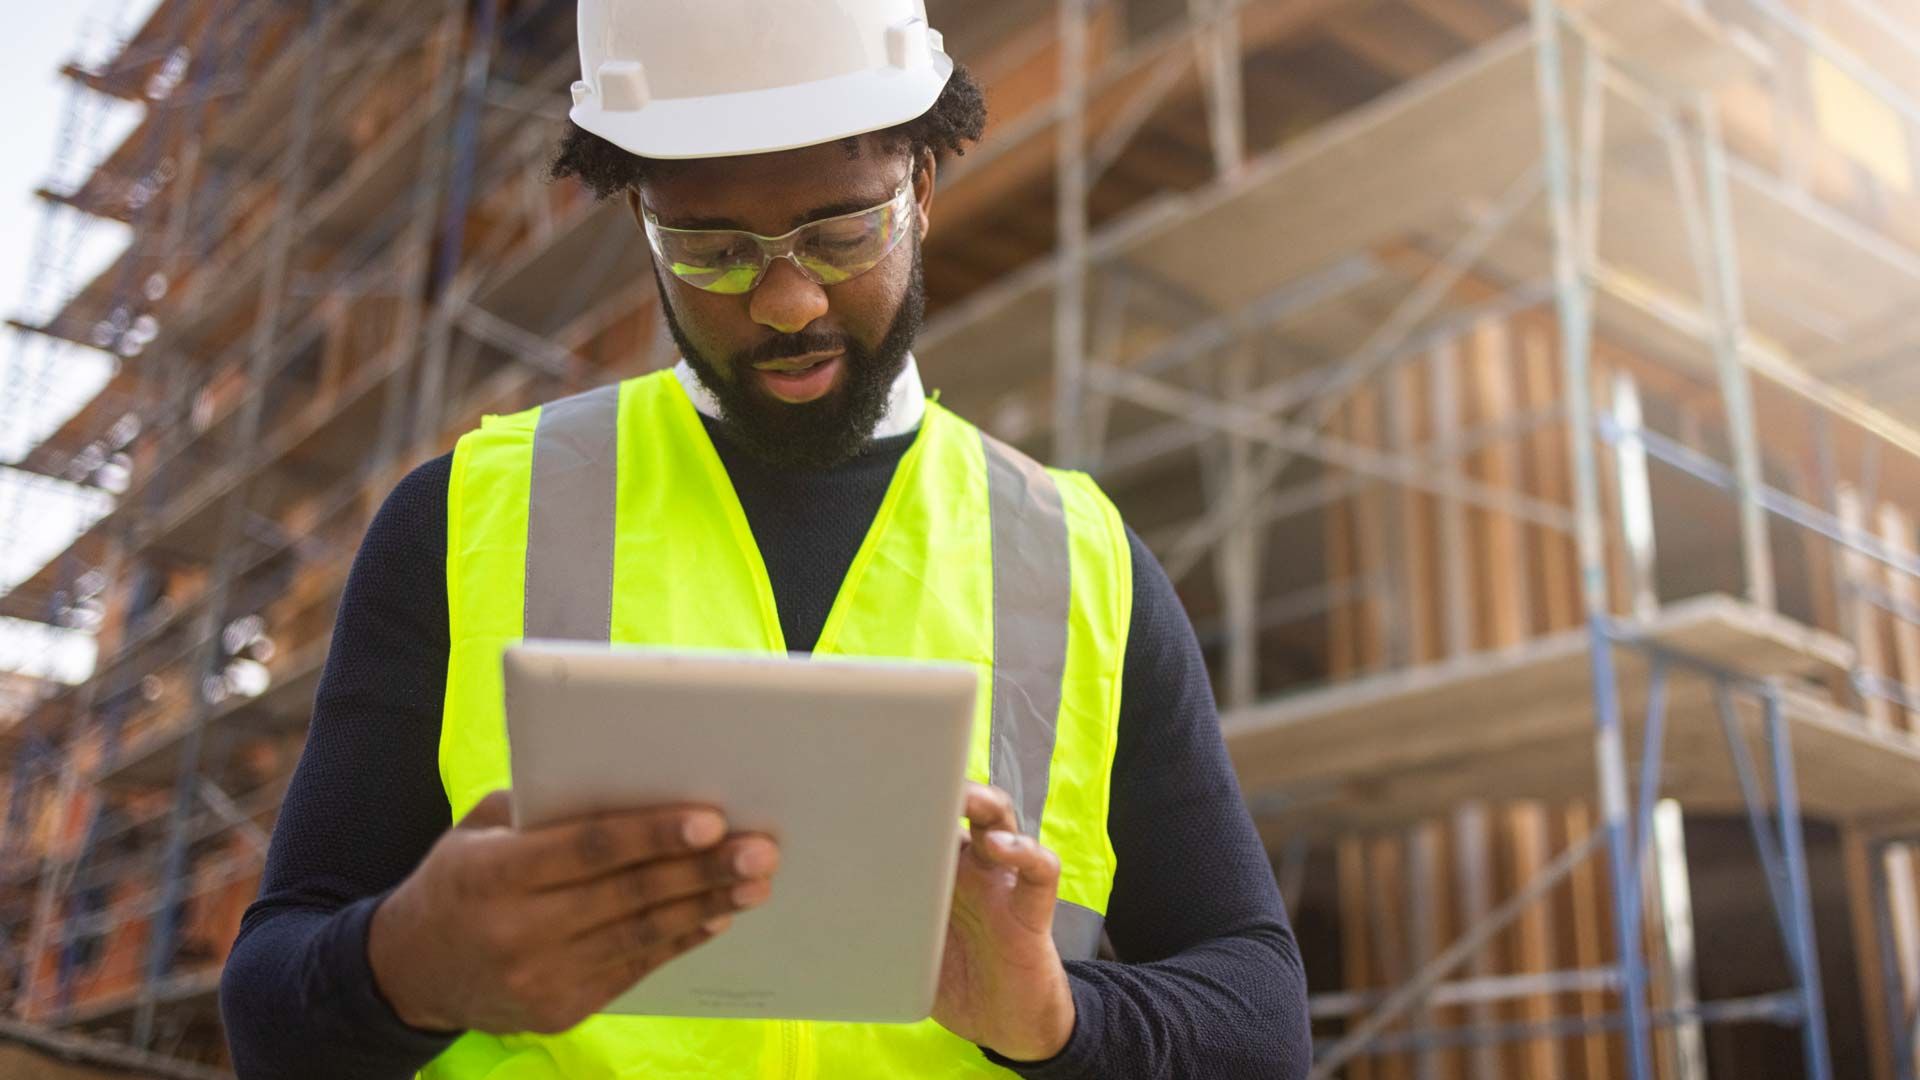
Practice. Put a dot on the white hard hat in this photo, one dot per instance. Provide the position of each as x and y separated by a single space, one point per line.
715 78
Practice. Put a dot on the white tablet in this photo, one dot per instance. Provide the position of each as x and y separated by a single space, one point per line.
857 767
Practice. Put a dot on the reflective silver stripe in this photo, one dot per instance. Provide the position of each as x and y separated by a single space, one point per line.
1076 931
570 509
1031 577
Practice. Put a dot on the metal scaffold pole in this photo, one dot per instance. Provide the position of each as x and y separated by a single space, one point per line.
1574 301
1070 299
430 410
1800 943
321 17
1729 331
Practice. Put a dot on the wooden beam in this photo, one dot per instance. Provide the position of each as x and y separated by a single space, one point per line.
1457 600
1497 542
1418 595
1531 935
1864 623
1473 874
1389 39
1857 854
1350 863
1559 577
1471 20
1363 414
1386 887
1591 931
1343 652
1896 531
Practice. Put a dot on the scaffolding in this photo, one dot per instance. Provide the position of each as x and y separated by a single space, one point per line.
1663 61
1431 335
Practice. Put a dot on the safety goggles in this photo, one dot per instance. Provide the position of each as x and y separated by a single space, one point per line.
828 251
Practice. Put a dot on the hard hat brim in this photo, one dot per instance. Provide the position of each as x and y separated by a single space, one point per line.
767 121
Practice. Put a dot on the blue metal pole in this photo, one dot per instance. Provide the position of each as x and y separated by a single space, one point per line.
1813 1030
1772 864
1623 873
1653 749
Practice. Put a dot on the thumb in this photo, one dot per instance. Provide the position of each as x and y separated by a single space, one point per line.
494 808
1031 901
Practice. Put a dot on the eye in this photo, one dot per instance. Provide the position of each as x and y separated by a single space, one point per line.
841 236
711 248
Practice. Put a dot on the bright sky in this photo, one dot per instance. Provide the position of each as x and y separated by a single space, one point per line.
41 384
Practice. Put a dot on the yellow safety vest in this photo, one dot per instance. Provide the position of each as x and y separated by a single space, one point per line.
608 515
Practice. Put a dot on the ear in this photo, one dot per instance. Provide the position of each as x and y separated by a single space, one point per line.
924 171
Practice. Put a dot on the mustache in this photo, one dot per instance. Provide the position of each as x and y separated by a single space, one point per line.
787 346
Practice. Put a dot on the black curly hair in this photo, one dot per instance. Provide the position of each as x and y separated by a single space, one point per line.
958 117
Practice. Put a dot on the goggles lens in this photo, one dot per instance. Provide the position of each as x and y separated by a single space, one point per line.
828 251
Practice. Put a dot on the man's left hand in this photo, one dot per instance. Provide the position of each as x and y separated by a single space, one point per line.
1001 982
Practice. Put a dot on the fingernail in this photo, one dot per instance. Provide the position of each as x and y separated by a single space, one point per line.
748 894
703 829
1001 838
717 924
753 860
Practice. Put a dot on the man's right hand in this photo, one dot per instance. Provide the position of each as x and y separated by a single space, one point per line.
503 930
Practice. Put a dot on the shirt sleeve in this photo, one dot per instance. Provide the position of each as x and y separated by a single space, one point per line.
364 805
1208 980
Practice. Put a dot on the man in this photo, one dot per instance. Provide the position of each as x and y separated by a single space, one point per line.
786 486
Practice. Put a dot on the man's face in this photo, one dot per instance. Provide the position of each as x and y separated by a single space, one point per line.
745 348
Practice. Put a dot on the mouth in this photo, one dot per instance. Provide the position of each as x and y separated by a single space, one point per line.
800 379
793 365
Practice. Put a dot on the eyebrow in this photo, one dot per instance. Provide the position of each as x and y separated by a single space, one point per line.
834 209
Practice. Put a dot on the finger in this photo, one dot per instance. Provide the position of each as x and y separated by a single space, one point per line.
636 936
589 846
629 890
620 973
494 808
989 808
1037 880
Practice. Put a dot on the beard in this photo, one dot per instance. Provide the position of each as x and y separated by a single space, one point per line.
819 434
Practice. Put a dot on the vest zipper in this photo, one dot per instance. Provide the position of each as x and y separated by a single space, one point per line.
790 1049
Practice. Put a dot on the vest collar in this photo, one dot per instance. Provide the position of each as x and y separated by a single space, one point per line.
906 404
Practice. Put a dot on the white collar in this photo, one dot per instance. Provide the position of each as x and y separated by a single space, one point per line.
906 403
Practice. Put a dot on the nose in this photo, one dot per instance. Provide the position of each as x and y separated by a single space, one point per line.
786 300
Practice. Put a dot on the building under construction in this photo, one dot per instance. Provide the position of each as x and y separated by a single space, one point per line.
1520 394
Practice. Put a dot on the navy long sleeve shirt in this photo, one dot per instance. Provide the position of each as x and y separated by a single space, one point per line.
1208 982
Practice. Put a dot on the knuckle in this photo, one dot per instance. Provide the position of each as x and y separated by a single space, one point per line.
594 843
462 873
636 886
641 932
519 986
488 877
496 937
474 875
520 982
718 868
668 833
